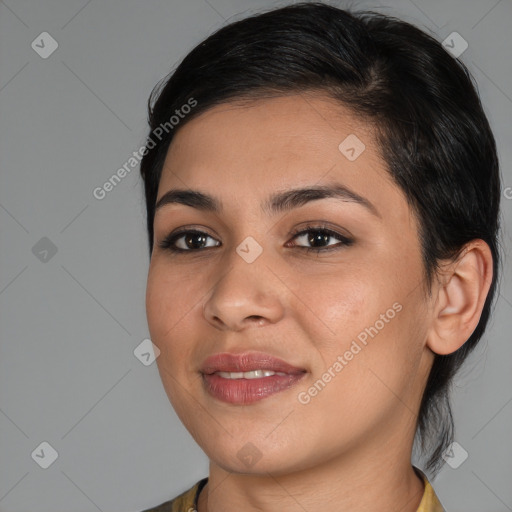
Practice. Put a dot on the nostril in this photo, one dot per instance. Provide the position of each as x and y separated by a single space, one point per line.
259 319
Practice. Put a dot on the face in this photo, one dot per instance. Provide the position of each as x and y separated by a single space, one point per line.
327 283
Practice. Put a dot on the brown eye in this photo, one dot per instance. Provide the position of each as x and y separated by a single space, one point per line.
187 241
321 239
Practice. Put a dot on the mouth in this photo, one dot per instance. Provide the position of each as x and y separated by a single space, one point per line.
247 378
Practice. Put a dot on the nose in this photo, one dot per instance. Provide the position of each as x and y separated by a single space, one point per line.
247 294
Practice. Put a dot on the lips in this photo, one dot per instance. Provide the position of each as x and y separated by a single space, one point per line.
239 389
247 362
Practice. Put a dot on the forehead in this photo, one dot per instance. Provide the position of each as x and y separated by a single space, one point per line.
244 151
290 127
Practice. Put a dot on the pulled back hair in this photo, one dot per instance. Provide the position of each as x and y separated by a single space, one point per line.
430 126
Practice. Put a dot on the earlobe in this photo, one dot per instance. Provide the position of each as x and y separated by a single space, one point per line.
461 294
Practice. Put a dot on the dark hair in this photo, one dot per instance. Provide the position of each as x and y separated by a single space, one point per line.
428 119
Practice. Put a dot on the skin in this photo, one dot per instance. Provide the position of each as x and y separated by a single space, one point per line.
350 447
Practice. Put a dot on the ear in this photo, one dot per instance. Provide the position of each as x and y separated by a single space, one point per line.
461 294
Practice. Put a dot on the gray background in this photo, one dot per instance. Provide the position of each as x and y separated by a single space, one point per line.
70 324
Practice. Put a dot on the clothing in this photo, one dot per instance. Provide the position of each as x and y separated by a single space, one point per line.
187 501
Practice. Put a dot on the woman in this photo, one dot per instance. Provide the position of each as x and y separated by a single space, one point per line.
322 192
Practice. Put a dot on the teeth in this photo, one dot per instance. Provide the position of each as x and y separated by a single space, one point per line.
255 374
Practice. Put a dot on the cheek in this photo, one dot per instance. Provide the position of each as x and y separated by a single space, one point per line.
365 308
169 310
164 288
335 307
169 303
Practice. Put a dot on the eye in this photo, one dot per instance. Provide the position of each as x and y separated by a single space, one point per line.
186 241
319 237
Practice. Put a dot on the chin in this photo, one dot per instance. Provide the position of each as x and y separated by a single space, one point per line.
255 455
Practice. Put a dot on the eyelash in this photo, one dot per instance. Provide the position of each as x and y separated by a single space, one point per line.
168 242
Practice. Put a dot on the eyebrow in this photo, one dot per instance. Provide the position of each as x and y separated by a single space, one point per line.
276 203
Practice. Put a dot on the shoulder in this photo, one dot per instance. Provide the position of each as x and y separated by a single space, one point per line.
185 502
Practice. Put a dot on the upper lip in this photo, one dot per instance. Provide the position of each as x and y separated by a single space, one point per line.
246 362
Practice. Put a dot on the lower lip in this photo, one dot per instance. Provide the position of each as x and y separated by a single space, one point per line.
247 391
